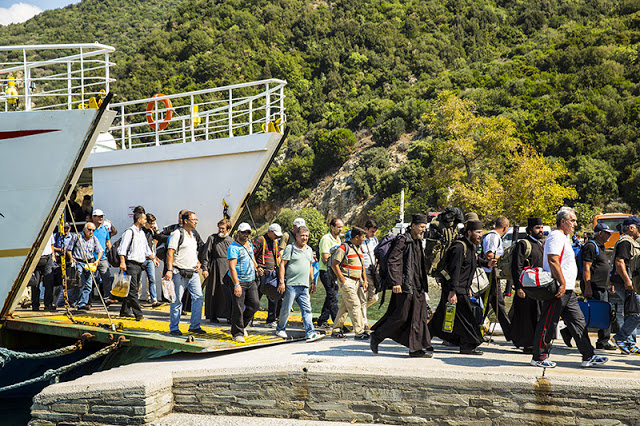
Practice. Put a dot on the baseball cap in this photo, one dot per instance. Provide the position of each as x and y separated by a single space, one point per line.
299 222
631 220
276 229
603 227
97 212
244 226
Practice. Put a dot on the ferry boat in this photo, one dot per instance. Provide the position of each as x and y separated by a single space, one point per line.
204 151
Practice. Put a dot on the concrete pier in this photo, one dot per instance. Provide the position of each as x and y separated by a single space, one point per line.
341 380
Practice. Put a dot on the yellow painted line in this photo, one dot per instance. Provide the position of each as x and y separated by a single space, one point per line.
14 252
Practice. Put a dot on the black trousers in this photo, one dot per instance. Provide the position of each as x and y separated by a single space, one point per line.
496 301
244 307
330 305
42 273
134 269
566 307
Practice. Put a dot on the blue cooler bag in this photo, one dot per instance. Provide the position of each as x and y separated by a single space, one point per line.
597 313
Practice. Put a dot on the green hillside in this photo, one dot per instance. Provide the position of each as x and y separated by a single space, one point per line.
565 72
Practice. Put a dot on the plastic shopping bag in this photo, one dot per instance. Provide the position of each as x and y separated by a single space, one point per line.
121 285
169 290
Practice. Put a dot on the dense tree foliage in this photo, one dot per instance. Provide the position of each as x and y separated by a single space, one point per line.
564 73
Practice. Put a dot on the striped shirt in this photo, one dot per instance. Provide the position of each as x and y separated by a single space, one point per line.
266 252
352 267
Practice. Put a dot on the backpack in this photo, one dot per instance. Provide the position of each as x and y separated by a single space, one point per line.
439 238
112 254
580 254
381 253
633 266
506 260
333 252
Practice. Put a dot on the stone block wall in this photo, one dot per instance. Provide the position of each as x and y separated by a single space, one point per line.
401 400
117 406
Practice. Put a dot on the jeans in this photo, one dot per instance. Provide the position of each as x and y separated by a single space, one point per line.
631 323
244 307
150 269
195 289
87 284
106 277
330 306
617 300
299 294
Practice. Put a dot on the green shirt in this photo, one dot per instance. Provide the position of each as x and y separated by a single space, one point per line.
326 243
298 265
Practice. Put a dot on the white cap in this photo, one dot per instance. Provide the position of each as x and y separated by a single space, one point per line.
276 229
97 212
244 226
299 222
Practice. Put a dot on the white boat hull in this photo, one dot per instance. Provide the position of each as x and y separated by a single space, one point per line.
41 156
196 176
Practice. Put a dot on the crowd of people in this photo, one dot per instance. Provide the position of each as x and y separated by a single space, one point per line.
238 272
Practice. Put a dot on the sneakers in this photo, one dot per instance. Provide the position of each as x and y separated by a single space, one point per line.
607 346
239 338
544 363
594 361
197 331
420 354
175 333
273 324
634 349
282 334
245 333
622 345
324 325
156 304
338 335
314 337
363 336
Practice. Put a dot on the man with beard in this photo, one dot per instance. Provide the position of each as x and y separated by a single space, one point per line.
406 318
461 262
525 311
217 299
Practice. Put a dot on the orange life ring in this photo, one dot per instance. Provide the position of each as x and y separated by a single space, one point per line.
151 106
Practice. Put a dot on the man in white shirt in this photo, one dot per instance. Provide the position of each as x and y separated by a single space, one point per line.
368 246
493 250
183 267
559 259
133 251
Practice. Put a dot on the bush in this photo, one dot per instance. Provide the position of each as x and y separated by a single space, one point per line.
389 131
372 165
314 219
332 149
292 176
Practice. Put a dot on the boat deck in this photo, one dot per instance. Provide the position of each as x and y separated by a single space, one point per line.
150 332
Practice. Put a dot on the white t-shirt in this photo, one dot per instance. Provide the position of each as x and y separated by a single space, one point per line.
368 246
555 243
492 243
187 256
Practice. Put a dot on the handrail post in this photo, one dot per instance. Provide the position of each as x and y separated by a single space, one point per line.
193 117
69 87
27 98
123 133
106 72
251 116
230 113
155 120
267 115
281 105
81 76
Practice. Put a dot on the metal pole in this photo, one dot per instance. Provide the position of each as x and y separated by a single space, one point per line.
251 117
401 210
69 87
230 113
267 116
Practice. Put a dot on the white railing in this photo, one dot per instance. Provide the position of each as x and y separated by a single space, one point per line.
53 76
240 109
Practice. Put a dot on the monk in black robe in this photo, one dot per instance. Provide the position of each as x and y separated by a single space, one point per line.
525 311
217 296
461 260
406 319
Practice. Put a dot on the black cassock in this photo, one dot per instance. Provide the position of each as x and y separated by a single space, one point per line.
217 296
406 319
461 264
524 313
